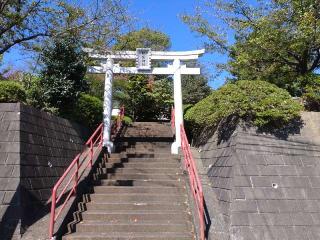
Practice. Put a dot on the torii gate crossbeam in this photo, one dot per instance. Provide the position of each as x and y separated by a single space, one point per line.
144 57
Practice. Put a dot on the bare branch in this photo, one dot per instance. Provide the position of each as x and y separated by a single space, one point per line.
20 40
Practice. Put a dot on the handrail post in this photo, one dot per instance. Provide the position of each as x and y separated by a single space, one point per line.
52 216
101 135
76 176
91 153
202 222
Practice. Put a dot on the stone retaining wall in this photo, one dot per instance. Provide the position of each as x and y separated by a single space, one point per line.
265 187
35 149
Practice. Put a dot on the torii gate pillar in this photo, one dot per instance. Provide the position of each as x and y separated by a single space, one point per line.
107 105
178 111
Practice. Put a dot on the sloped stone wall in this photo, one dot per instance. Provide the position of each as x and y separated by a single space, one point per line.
35 149
267 187
9 170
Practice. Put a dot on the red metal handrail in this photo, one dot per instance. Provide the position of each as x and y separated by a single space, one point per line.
195 183
84 160
172 118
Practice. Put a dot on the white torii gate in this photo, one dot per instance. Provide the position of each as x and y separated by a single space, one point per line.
143 57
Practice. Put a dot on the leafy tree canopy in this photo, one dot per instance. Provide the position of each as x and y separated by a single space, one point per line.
194 88
62 76
141 103
143 38
27 23
276 41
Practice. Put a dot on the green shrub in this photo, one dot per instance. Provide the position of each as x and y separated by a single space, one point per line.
186 108
257 102
127 120
11 91
312 98
88 110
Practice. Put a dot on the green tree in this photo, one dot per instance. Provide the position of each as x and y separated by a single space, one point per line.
62 76
27 23
140 102
275 41
34 91
96 85
194 88
143 38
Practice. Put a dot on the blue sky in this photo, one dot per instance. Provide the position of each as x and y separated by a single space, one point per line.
162 15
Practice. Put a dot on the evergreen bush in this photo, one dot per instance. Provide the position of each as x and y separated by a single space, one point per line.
312 98
88 110
257 102
11 91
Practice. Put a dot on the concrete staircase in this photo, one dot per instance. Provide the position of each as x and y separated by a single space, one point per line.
140 193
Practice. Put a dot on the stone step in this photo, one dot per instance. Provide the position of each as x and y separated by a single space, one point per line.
142 160
136 198
124 207
144 143
142 170
138 182
130 236
139 192
141 165
121 217
100 226
146 159
142 176
149 155
146 149
152 189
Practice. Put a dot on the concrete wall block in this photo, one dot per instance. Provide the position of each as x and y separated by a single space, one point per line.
249 206
267 206
14 126
297 193
268 170
10 107
6 147
254 159
3 158
13 158
6 171
248 170
2 193
309 171
8 199
241 181
4 126
36 183
11 116
225 195
240 219
12 184
45 194
311 194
